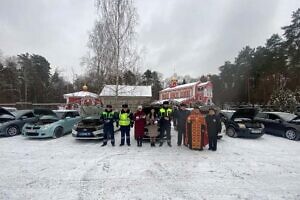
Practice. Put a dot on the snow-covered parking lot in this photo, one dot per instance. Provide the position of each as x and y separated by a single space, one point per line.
265 168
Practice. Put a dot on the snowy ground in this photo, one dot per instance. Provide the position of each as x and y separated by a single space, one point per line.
265 168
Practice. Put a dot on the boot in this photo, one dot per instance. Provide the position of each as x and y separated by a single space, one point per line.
104 144
161 143
152 144
169 144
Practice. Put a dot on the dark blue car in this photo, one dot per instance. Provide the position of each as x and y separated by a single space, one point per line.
281 124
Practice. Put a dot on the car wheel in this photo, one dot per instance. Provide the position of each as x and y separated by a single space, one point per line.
58 132
291 134
12 131
231 132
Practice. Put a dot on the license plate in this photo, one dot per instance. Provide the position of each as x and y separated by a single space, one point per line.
84 134
256 131
30 131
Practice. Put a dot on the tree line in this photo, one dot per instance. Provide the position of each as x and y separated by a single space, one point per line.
265 73
28 78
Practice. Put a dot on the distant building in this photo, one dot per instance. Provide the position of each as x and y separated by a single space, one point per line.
131 95
80 98
196 92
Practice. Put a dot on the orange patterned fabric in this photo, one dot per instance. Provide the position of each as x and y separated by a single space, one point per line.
196 133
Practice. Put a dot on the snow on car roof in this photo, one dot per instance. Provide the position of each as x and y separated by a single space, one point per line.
127 90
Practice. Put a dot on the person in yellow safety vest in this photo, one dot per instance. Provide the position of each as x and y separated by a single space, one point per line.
108 117
125 122
165 116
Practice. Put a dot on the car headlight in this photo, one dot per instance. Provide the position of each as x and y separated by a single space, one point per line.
99 128
75 126
241 125
45 126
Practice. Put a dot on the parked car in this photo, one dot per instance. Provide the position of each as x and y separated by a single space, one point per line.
281 124
51 123
242 123
90 127
11 123
10 109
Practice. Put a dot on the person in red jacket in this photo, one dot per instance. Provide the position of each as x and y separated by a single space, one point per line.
139 125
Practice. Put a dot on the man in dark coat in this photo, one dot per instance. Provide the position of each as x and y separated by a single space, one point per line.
181 117
165 116
108 117
214 127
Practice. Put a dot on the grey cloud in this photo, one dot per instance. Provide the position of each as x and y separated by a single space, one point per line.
194 36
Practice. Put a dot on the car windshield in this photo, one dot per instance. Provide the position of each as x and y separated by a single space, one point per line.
46 120
60 114
90 121
18 114
287 116
6 118
228 114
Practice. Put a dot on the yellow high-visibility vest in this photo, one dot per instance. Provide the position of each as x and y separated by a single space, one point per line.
124 119
165 112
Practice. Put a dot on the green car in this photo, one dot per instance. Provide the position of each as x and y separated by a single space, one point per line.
52 124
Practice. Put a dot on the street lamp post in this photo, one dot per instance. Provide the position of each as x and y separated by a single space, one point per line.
248 90
25 87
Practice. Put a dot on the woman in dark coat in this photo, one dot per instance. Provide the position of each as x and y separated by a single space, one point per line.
139 125
152 119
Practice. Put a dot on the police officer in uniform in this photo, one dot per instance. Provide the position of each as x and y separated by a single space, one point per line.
165 116
125 122
108 117
181 118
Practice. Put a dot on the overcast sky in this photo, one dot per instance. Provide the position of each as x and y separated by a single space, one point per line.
193 37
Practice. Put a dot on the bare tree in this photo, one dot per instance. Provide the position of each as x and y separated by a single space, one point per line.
112 42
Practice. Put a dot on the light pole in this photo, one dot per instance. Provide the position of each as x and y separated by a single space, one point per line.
248 86
25 85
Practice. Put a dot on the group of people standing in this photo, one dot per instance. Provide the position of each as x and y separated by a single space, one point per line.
156 124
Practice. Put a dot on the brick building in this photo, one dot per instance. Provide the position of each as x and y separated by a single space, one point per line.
196 92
